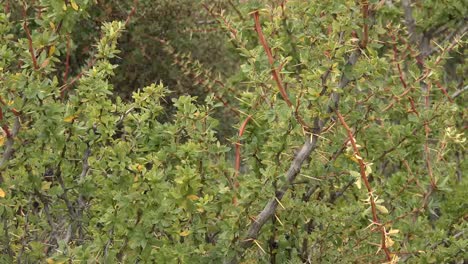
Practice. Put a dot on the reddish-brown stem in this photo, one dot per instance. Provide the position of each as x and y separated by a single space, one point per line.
400 72
413 106
67 61
132 12
28 35
6 130
365 30
238 158
6 7
238 147
65 87
13 110
362 168
444 91
267 49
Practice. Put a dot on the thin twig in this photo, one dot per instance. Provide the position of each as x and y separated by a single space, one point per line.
362 169
267 49
28 35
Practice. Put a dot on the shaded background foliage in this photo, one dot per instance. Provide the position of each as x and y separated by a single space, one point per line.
96 168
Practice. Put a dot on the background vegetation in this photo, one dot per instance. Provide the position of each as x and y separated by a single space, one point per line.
233 131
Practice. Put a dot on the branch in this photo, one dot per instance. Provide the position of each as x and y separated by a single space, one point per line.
458 92
132 12
460 31
236 10
267 49
238 156
269 210
409 20
362 169
28 35
67 60
365 30
303 154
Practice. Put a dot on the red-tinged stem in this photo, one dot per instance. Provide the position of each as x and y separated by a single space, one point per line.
238 150
444 91
13 110
395 60
413 106
6 129
267 49
67 61
132 12
365 31
28 35
64 87
362 168
6 7
238 158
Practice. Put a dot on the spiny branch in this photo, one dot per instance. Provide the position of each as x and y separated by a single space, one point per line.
274 71
362 168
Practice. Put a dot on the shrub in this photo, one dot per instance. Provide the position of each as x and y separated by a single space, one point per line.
350 144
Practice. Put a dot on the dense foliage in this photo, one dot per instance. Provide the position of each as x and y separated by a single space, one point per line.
350 144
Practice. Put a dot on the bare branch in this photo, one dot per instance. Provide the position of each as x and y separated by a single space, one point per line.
458 92
460 31
303 154
269 210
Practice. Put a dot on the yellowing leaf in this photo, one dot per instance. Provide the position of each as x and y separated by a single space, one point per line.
52 25
74 5
382 209
139 167
358 183
184 233
2 193
393 232
51 50
389 242
2 140
64 7
70 118
193 197
368 168
45 185
59 260
356 175
353 158
357 157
